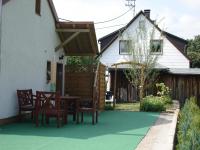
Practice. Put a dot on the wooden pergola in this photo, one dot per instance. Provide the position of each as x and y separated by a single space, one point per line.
143 66
77 38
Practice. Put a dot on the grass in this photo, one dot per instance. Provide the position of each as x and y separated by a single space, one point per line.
116 130
128 106
124 106
131 107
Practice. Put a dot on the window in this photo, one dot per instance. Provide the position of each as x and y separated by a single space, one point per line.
156 46
124 46
38 7
48 71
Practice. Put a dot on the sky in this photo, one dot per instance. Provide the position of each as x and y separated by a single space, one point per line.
179 17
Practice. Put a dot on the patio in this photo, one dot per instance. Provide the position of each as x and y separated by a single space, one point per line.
116 130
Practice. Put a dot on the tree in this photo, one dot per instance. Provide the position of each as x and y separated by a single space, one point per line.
141 70
193 51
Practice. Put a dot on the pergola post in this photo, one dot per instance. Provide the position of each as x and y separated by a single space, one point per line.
142 78
115 82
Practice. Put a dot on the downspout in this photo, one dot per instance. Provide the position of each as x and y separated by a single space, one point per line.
0 33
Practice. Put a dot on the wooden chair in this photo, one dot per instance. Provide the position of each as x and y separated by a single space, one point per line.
26 102
88 106
72 110
49 105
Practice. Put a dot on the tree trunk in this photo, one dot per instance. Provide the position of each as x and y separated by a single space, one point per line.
142 84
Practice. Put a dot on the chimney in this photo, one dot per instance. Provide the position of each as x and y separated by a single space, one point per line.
147 13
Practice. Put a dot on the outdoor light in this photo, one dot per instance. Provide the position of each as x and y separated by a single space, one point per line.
61 57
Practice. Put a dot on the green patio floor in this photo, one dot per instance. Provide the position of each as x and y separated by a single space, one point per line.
116 130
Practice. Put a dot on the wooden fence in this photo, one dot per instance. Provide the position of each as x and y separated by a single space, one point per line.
182 86
102 86
79 80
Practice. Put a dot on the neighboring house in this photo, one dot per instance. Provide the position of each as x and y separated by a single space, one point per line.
170 49
171 54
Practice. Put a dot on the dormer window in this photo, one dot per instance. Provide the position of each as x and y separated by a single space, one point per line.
38 7
156 46
124 46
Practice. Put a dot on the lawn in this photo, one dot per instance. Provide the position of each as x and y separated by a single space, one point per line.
116 130
128 106
124 106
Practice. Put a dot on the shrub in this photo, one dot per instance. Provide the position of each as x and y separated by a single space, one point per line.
152 103
166 99
162 89
189 126
164 92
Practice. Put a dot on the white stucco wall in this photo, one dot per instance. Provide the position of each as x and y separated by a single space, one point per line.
28 41
171 57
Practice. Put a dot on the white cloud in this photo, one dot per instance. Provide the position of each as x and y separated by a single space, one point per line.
184 25
90 10
189 25
192 3
182 19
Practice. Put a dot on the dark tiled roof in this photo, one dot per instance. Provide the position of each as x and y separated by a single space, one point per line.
109 38
178 42
53 10
4 1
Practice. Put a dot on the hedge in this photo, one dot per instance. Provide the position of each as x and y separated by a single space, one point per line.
189 126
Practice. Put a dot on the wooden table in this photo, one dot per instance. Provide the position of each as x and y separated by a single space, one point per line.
71 105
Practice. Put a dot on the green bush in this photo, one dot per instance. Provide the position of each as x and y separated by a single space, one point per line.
164 92
152 103
166 99
189 126
162 89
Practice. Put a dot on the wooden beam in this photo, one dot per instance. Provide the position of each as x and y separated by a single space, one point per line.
92 42
128 63
72 30
66 41
78 44
115 84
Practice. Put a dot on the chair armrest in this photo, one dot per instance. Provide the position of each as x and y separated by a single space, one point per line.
34 99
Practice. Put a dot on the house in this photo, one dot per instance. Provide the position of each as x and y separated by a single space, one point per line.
170 50
33 45
28 41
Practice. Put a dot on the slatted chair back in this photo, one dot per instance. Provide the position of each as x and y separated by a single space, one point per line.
25 97
26 102
49 105
48 100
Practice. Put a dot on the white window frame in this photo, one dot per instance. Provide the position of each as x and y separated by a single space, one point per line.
160 52
126 48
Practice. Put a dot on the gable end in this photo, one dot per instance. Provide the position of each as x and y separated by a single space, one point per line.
178 42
